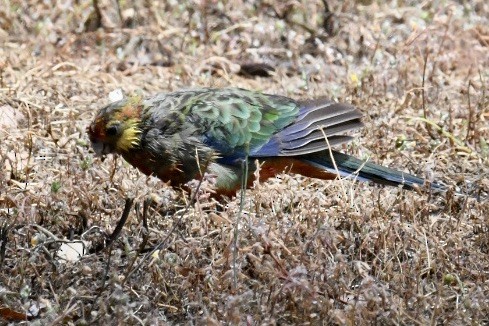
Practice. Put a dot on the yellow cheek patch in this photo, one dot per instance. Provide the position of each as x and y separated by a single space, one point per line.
130 136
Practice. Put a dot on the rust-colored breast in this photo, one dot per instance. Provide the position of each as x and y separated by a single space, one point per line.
141 160
166 171
273 166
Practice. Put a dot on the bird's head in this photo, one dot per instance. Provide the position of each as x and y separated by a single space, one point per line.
116 127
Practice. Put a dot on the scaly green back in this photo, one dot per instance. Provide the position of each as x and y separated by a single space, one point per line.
233 121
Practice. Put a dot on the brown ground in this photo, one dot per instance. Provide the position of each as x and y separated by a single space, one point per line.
310 252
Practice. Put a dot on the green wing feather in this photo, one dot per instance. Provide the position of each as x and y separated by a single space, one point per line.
244 119
233 121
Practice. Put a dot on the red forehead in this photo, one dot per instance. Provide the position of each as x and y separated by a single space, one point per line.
96 130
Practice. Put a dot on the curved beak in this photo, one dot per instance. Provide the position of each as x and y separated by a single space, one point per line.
100 149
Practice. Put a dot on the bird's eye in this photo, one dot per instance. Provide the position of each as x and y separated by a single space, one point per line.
111 131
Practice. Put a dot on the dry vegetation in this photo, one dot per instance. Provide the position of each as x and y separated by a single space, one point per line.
309 252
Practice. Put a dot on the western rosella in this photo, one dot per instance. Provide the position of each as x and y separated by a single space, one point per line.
179 136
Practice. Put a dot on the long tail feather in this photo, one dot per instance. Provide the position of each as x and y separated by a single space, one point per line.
367 171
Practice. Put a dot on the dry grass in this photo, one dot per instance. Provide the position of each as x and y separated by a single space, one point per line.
309 252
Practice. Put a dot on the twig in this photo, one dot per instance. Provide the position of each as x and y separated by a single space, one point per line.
98 14
244 183
145 239
61 318
340 180
104 278
470 122
115 234
425 113
122 221
440 47
444 133
108 244
177 224
4 230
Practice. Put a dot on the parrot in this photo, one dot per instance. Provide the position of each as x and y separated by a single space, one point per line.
180 136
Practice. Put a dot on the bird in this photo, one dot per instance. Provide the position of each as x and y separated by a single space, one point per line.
228 133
